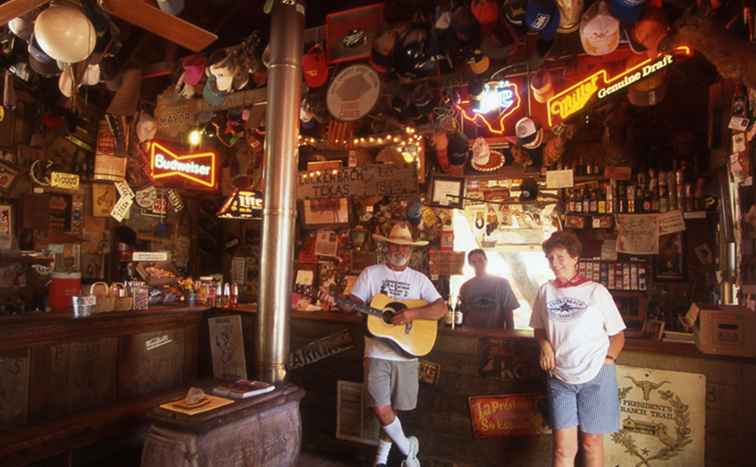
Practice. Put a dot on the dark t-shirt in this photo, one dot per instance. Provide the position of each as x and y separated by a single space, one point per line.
488 301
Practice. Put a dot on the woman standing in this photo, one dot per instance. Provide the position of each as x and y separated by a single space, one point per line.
580 333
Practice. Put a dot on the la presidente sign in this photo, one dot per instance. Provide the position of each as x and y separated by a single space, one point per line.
194 169
573 99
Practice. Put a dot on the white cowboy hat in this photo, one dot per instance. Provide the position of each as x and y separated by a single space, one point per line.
400 235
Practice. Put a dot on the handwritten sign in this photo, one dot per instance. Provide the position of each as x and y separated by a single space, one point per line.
121 209
609 250
176 116
321 349
638 234
559 178
508 415
671 222
64 180
367 180
124 189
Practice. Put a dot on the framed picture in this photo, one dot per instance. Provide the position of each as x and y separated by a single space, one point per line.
669 264
350 34
319 213
654 329
446 192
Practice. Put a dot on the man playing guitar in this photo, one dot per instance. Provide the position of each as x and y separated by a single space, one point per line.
391 376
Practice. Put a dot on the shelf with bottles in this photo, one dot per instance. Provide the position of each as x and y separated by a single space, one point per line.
646 192
619 276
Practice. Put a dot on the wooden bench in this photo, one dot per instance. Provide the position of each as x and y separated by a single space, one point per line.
70 383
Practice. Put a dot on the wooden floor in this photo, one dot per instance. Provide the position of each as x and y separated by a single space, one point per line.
307 459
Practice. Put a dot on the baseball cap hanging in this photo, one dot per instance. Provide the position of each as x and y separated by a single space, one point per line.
223 66
647 33
315 67
542 16
381 56
514 11
483 158
194 68
627 11
599 30
486 12
529 135
569 15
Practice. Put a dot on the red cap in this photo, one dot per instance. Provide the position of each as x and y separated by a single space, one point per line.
486 12
315 66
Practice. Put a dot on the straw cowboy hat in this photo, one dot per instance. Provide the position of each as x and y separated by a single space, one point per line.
400 235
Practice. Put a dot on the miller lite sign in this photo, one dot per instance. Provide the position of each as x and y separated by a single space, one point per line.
196 170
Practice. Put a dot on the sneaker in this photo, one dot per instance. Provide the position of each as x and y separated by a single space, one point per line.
414 448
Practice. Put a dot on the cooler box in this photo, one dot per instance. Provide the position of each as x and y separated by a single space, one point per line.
724 329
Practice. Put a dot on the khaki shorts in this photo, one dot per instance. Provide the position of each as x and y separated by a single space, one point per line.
391 383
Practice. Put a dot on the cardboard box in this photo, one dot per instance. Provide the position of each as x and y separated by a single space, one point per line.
723 329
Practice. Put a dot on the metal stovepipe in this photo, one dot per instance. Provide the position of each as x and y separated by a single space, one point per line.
281 153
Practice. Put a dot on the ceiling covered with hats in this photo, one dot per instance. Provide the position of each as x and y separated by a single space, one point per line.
451 88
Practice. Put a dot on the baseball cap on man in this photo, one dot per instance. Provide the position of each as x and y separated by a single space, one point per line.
542 16
599 30
315 67
627 11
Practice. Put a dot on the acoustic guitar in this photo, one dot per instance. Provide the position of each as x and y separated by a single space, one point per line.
416 338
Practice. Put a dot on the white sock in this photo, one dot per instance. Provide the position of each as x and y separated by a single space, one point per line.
381 456
395 432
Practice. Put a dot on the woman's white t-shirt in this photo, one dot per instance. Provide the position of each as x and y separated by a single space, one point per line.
578 321
404 285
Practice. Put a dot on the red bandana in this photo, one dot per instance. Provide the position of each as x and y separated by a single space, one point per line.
576 280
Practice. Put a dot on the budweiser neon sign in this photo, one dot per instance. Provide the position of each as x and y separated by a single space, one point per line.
499 100
573 99
198 169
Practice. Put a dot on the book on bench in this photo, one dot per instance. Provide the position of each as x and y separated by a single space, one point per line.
242 388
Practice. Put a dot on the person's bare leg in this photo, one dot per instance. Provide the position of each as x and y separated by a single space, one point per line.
565 447
593 448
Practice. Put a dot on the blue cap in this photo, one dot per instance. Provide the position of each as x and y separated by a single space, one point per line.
627 11
543 19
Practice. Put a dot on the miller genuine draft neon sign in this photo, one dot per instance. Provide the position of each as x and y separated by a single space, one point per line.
576 97
198 169
499 100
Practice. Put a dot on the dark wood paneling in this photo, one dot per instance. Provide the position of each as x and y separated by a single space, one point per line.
146 366
49 392
14 387
191 353
92 373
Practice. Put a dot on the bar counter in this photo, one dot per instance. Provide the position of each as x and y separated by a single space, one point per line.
72 366
12 327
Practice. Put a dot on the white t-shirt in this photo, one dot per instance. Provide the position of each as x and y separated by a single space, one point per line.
578 321
405 285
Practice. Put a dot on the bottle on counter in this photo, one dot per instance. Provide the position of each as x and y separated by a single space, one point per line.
211 294
233 299
449 318
458 316
226 300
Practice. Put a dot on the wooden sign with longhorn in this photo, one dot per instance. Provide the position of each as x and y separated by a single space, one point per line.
177 115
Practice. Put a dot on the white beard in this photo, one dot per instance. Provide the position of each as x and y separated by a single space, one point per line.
398 261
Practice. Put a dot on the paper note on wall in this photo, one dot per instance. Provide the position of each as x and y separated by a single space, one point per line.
638 234
671 222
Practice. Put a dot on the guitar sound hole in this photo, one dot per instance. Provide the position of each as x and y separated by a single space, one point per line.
391 310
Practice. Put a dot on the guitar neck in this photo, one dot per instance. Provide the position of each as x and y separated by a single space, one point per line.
362 308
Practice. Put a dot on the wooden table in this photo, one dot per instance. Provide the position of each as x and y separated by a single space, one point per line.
263 431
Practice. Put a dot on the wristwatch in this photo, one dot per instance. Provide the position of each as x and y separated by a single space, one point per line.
610 357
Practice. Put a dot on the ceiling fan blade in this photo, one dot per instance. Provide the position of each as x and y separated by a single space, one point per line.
14 8
161 23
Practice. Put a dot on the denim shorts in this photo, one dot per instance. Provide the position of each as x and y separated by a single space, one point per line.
593 406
